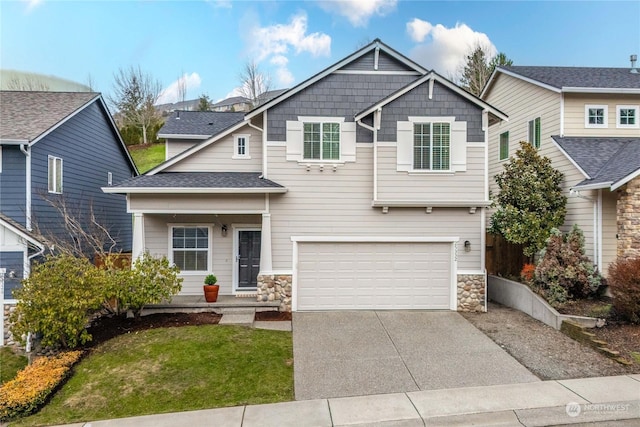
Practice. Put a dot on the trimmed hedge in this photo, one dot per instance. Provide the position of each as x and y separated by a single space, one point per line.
624 282
34 384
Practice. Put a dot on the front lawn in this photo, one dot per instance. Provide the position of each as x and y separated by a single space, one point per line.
174 369
10 364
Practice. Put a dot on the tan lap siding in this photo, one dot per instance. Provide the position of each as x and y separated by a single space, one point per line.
205 203
575 114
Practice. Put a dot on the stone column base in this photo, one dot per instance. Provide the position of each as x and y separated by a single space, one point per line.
275 287
471 292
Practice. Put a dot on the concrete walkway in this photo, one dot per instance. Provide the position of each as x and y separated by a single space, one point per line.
354 353
542 403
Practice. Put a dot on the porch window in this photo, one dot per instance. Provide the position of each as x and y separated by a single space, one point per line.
55 175
535 132
596 116
627 116
190 248
321 141
431 146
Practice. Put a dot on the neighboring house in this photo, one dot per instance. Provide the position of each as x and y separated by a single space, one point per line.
188 105
587 121
184 129
234 103
364 187
55 146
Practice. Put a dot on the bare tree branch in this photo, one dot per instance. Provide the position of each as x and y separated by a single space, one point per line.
253 82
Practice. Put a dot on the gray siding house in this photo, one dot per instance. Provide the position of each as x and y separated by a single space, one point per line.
364 187
55 146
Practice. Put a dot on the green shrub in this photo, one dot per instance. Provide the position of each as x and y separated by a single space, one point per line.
33 385
624 282
565 265
150 281
58 299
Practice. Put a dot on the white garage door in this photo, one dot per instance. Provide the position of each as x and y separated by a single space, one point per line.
366 275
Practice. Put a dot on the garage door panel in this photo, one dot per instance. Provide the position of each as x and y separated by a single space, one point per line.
363 275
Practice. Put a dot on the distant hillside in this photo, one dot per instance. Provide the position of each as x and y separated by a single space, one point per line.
22 80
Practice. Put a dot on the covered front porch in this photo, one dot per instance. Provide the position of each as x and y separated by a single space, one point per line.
197 304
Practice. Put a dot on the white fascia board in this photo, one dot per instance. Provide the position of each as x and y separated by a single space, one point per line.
489 82
430 203
623 181
20 233
597 186
626 91
191 190
13 141
573 162
333 68
375 239
182 136
64 120
196 148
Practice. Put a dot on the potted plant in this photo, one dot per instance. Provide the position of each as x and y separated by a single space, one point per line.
210 288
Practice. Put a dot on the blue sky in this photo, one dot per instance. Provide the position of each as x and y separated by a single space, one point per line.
207 42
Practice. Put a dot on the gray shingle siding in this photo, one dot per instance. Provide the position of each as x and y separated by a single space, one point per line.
337 95
444 103
89 149
13 184
385 63
12 261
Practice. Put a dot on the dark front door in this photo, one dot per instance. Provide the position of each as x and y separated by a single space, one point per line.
248 259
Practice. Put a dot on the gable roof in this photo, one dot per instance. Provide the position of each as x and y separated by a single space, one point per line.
20 230
376 44
232 101
197 124
198 182
432 76
27 117
573 79
607 162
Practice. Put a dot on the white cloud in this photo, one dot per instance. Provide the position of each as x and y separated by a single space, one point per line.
32 4
445 49
171 93
283 75
358 12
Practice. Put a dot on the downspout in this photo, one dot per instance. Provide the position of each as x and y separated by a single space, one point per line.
264 143
26 272
27 152
377 115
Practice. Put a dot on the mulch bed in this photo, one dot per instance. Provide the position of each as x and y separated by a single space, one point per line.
262 316
622 337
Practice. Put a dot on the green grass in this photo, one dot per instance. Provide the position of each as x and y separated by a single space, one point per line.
148 157
174 369
10 364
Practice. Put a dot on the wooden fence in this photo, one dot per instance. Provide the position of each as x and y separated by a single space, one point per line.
503 258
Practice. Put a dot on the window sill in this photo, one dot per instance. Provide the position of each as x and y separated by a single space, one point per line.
320 162
241 157
430 172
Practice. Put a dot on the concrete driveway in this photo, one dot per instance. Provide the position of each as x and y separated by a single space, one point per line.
355 353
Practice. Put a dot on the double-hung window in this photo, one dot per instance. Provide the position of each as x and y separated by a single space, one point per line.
241 146
55 175
321 141
431 146
535 132
190 247
627 116
504 145
596 116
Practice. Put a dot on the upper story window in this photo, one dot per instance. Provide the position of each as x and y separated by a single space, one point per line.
596 116
241 146
55 174
504 145
535 132
190 248
627 116
321 141
431 146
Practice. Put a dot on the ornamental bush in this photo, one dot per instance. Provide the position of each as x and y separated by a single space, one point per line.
57 300
564 271
34 384
624 282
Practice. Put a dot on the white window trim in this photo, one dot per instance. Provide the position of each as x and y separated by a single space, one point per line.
531 137
209 227
0 158
606 116
109 178
618 124
432 120
500 147
236 138
55 177
321 120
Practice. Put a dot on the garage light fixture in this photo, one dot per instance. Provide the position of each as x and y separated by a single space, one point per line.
467 246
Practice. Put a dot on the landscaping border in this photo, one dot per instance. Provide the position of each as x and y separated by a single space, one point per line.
521 297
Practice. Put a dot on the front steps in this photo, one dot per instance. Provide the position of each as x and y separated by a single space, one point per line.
238 316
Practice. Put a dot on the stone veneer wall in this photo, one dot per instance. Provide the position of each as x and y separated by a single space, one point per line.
275 287
471 292
8 336
628 208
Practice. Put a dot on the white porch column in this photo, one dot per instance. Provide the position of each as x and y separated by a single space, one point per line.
137 248
266 266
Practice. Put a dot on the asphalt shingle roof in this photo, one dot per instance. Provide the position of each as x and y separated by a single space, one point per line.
605 160
27 115
586 77
200 180
199 122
